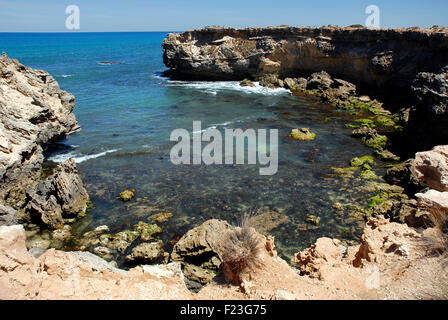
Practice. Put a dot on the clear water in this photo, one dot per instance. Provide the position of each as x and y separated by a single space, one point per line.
127 112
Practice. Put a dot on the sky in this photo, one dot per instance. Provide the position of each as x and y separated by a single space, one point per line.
180 15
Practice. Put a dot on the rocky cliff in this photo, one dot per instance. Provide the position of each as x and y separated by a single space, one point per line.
407 69
34 113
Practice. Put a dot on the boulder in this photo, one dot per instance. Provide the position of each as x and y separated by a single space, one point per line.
62 195
303 134
247 83
199 250
147 252
432 168
320 81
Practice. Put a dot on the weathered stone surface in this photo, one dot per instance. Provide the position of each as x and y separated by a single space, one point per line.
34 113
146 252
199 250
434 200
319 80
79 275
324 251
431 90
62 195
8 216
432 168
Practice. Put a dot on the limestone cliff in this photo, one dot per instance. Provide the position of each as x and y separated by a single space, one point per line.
407 69
34 113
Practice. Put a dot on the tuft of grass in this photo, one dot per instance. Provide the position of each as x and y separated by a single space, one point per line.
240 250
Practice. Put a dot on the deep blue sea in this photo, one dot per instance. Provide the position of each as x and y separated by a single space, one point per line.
127 111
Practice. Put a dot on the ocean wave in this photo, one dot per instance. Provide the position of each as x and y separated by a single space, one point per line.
59 158
213 87
64 76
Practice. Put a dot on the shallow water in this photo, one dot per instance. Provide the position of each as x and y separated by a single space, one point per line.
127 112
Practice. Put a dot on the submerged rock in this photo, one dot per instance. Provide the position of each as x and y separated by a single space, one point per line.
126 195
303 134
161 217
147 231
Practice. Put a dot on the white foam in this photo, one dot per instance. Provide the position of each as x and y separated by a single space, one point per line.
65 75
213 87
59 158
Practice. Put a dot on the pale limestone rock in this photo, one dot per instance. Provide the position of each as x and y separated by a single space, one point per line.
34 112
432 167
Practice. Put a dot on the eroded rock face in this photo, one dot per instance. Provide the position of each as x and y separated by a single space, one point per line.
62 195
34 112
199 249
324 251
376 57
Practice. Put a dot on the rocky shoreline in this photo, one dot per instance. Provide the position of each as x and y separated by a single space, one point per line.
403 244
404 69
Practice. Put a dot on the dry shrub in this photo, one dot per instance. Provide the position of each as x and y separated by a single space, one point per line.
436 239
240 250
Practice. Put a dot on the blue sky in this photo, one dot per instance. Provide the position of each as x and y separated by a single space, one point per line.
170 15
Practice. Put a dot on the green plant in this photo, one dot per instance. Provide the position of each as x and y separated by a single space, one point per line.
356 26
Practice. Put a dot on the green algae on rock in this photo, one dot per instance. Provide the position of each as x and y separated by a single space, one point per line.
126 195
303 134
161 217
147 231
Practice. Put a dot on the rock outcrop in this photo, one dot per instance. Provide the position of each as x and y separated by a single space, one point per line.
34 113
199 250
432 167
385 58
61 195
432 171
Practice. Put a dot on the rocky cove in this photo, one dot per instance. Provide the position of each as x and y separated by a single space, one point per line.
53 198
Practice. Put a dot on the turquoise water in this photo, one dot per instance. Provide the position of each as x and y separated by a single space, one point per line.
127 111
